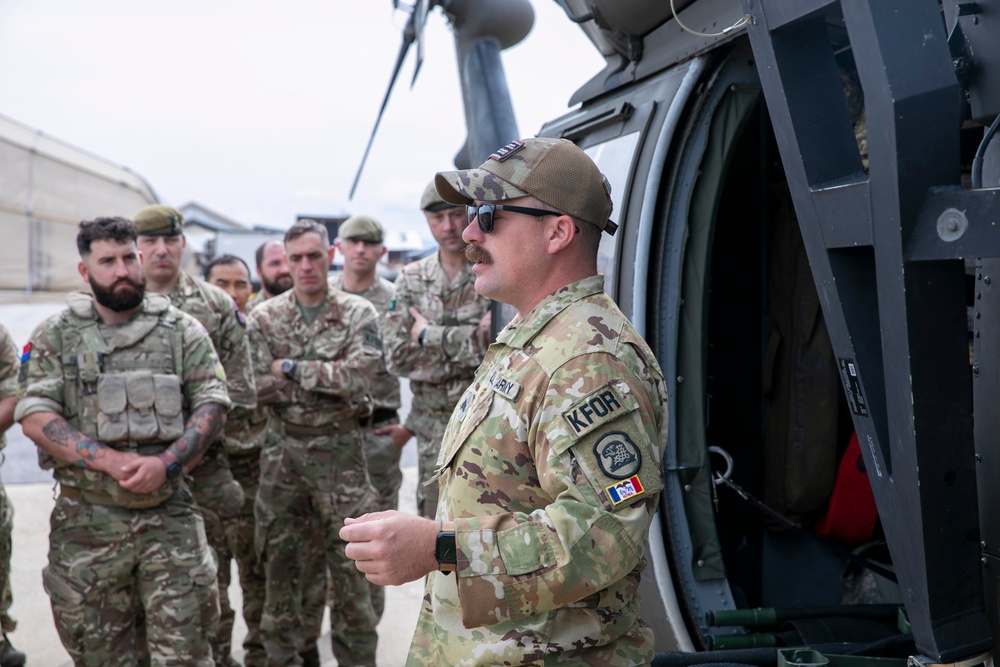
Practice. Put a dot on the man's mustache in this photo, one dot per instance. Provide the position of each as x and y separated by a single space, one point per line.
475 253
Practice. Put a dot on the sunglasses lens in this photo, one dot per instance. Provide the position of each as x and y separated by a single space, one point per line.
486 218
470 214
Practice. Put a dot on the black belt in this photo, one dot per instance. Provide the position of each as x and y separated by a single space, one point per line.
380 416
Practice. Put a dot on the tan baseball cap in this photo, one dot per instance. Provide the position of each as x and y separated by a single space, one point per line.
431 201
361 228
159 220
554 171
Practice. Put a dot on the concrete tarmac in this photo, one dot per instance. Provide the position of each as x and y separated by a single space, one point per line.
32 494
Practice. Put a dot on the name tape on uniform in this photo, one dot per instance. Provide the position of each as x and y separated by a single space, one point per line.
503 386
595 409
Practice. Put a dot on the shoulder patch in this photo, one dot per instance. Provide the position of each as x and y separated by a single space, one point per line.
617 456
596 408
26 352
501 385
371 339
625 490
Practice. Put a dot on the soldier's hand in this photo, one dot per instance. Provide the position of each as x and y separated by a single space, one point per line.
419 323
144 474
391 548
400 434
114 463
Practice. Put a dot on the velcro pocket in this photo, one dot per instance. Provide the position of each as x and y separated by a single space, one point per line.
141 398
524 549
112 399
169 406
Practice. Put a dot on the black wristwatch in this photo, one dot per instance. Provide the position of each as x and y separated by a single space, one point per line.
288 367
445 551
174 468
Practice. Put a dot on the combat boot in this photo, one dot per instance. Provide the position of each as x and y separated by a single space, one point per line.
11 657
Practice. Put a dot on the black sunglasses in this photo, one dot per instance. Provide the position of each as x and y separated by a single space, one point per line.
484 212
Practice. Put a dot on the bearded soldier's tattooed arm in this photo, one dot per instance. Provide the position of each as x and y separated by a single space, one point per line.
203 427
55 436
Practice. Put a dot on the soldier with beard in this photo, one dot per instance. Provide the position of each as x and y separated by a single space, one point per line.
120 392
161 241
272 270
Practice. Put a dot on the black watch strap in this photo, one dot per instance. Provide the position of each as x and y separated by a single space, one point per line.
174 468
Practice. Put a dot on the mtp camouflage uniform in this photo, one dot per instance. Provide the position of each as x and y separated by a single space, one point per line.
9 365
441 368
381 452
216 489
551 473
114 555
313 463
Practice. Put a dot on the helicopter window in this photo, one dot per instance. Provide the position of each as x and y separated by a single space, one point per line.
615 159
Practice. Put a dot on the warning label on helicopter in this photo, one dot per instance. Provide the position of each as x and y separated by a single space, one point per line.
852 386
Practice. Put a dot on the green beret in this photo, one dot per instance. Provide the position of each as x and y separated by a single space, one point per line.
159 220
431 201
361 228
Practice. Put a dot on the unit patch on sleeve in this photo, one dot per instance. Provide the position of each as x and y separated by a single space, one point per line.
618 456
624 490
595 409
501 385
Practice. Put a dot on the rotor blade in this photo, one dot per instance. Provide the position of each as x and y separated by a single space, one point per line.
408 37
420 10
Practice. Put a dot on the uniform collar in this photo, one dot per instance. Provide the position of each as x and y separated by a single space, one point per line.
518 334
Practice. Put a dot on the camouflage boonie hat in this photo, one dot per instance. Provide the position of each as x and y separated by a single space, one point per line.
554 171
431 201
361 228
159 220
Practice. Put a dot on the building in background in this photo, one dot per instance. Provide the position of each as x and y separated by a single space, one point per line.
46 187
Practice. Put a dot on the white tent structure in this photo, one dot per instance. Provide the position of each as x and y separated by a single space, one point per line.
46 187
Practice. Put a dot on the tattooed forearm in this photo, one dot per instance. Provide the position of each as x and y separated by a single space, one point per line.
203 427
61 433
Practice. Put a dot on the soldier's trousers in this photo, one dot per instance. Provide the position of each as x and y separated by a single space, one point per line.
429 431
240 537
6 527
383 466
109 565
221 499
301 478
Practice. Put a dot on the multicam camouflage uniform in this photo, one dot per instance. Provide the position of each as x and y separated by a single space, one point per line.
116 555
382 453
9 365
215 489
245 433
313 462
551 519
440 369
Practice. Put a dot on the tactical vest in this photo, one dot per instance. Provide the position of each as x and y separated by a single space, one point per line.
125 392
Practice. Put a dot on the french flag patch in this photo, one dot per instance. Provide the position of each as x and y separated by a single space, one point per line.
625 489
26 353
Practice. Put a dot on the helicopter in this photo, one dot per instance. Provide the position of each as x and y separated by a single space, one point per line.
806 193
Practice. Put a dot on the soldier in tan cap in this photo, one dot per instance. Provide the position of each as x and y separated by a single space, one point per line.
550 469
162 243
436 333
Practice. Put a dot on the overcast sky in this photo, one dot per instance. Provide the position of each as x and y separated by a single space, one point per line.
261 110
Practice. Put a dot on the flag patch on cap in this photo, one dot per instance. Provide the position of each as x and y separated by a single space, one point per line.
625 489
505 152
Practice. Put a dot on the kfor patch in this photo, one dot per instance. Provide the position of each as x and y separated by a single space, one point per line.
617 456
595 409
625 490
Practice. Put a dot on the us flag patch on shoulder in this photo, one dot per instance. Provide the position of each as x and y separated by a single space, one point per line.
505 152
625 490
